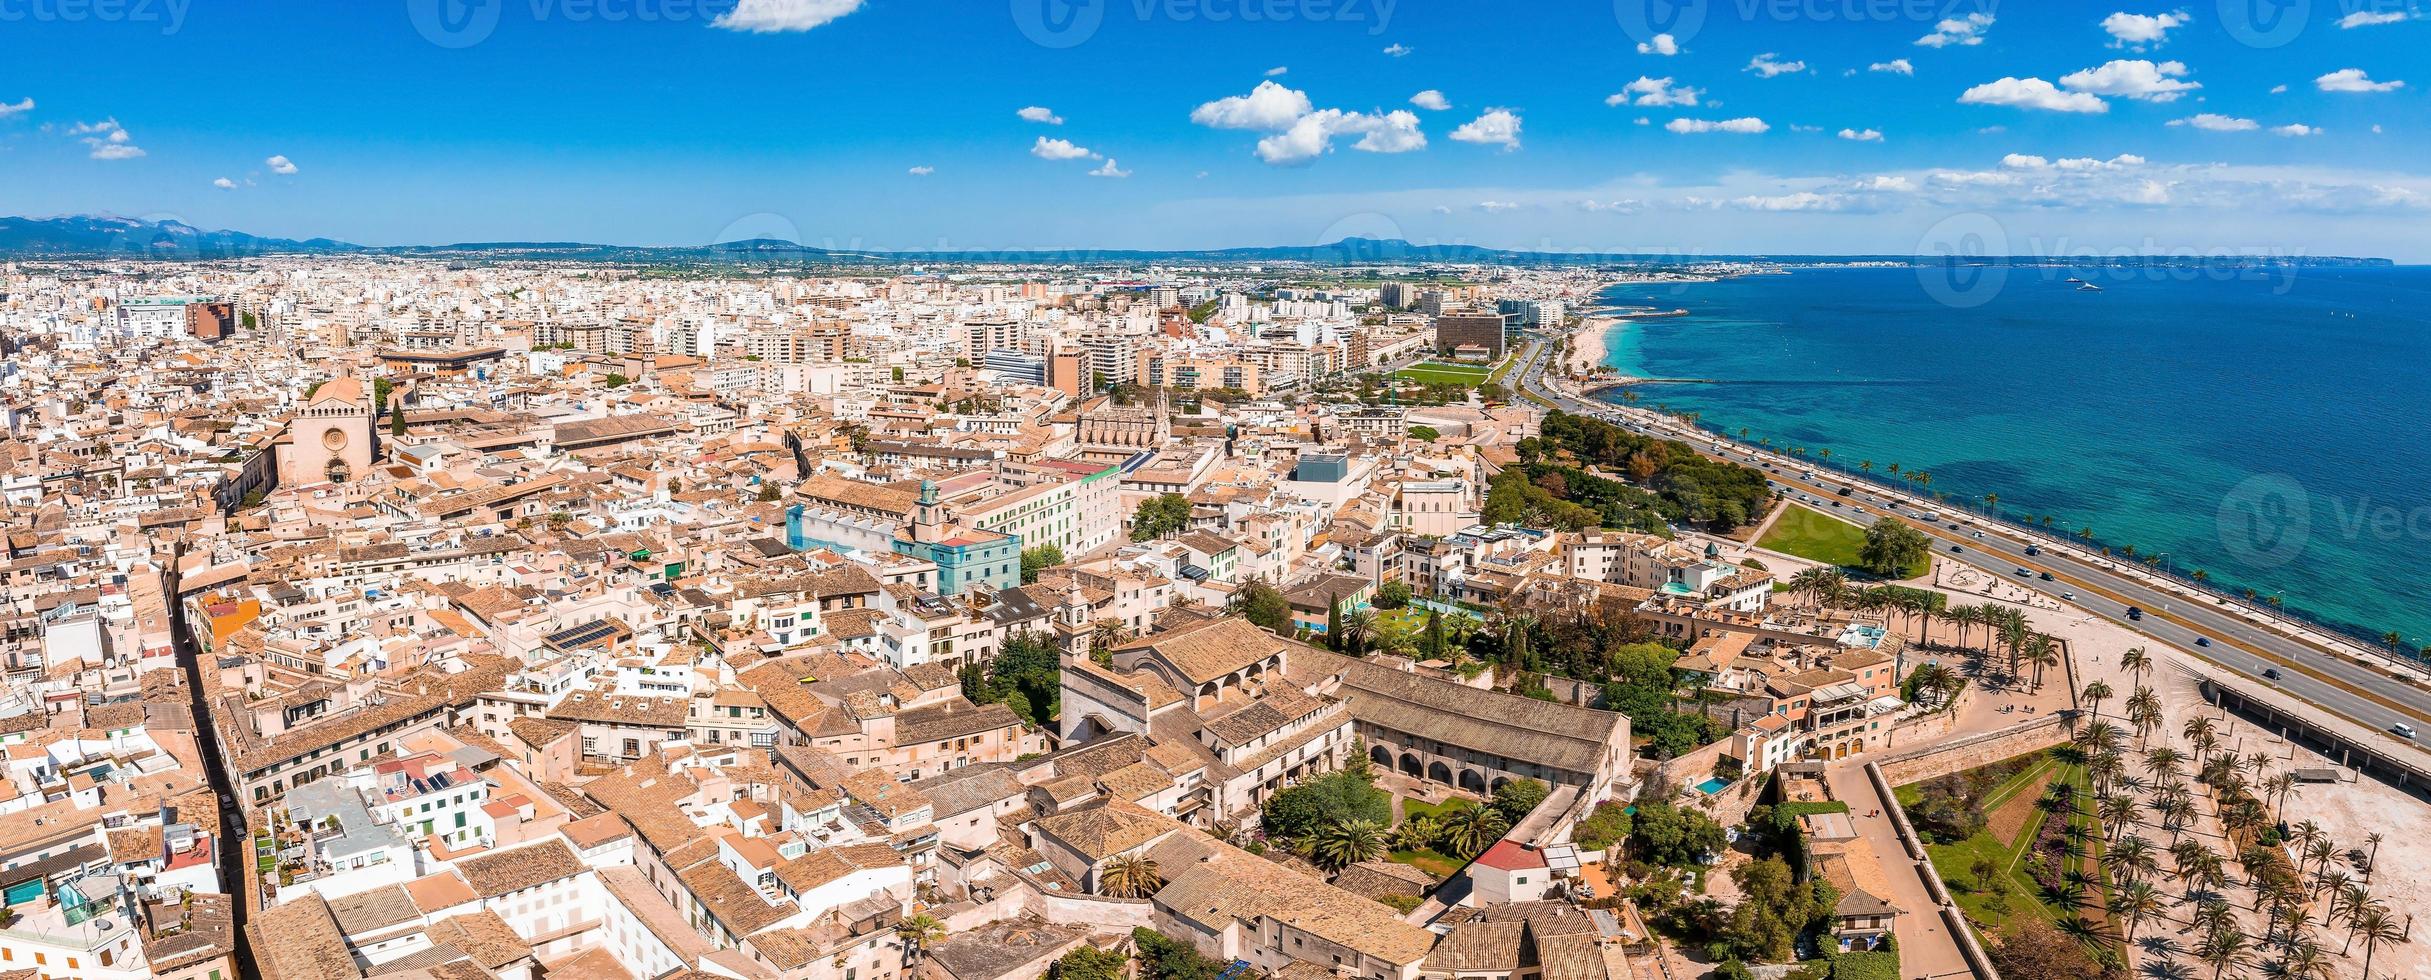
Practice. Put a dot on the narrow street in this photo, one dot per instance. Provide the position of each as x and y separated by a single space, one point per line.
1925 948
235 844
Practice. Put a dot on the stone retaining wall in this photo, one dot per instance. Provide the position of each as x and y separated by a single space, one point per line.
1962 754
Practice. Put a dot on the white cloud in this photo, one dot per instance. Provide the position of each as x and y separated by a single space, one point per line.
2372 18
2149 192
1745 125
1769 64
2217 123
1269 107
1800 201
1397 51
1965 31
1611 207
1496 206
1653 91
1431 99
1393 132
1298 132
279 164
1312 135
1278 70
224 184
1801 128
1862 135
1895 66
1664 45
106 140
2031 93
8 109
921 171
777 16
2354 80
1497 126
2140 31
2296 129
1040 114
2375 129
1892 182
2024 161
1055 149
2134 79
2279 90
1109 170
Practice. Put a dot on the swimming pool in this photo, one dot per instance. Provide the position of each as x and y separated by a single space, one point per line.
1712 785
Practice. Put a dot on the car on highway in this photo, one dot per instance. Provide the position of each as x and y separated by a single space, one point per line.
2068 596
2022 573
2033 550
2402 730
1955 549
2046 576
2270 673
2135 612
2203 641
1846 491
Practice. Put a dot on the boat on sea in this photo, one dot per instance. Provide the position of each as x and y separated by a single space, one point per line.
2074 279
2086 287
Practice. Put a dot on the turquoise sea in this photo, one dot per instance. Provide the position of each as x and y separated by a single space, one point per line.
2266 427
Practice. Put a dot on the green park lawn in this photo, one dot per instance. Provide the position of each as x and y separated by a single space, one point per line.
1412 808
1432 373
1815 536
1429 860
1955 861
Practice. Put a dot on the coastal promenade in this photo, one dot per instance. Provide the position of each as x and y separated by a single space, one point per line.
2244 641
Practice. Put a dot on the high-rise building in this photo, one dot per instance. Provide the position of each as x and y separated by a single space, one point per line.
1487 329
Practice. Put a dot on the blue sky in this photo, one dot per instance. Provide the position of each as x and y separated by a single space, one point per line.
2046 127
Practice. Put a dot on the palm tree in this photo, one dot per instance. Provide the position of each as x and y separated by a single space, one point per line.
918 933
1347 842
1358 627
2042 653
2304 961
1129 876
2280 787
2118 812
2377 928
2137 661
2097 692
2224 948
1415 833
2137 903
1469 831
2132 859
2371 862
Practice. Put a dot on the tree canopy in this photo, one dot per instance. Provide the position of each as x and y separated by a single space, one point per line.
1892 547
1159 516
1039 559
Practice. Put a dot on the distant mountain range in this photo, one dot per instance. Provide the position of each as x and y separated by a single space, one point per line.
110 237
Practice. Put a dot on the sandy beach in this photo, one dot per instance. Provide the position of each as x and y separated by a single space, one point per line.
1588 344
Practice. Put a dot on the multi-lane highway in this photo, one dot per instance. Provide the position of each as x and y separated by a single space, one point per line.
2363 691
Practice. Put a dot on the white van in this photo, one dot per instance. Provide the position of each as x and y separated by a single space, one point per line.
2402 730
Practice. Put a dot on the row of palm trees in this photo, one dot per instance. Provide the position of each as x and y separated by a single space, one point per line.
2300 897
2006 630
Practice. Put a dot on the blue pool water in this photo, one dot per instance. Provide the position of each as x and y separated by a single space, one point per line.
1712 785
